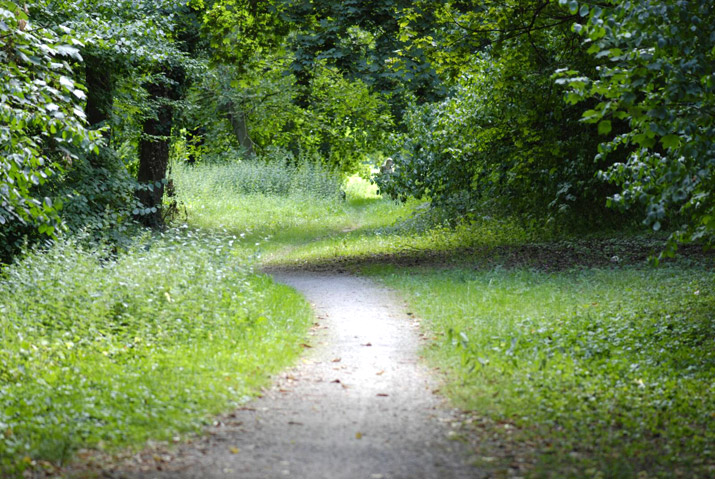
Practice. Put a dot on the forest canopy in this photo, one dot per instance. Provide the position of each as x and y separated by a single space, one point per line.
562 113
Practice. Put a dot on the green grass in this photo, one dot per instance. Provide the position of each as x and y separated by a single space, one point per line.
609 371
280 224
105 352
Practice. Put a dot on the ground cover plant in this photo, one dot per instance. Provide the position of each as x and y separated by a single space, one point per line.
599 372
103 350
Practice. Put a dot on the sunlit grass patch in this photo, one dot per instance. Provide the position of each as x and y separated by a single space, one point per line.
609 371
105 351
283 224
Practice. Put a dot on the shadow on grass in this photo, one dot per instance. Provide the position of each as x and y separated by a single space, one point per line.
542 256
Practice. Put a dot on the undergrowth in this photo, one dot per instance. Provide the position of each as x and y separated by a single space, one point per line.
98 350
609 371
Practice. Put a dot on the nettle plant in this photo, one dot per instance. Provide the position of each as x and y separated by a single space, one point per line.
42 121
654 96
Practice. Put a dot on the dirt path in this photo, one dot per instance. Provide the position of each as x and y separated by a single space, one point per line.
359 405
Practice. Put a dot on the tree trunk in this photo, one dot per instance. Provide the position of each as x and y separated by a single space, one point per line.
100 92
154 152
240 130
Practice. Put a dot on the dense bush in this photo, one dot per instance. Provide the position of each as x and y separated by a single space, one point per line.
655 97
503 143
42 122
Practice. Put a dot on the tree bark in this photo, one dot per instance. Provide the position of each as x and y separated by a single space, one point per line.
240 130
154 150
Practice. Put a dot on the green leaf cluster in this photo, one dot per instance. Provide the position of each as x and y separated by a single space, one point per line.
656 83
42 121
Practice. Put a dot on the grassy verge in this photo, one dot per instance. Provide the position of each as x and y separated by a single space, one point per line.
106 351
604 372
281 222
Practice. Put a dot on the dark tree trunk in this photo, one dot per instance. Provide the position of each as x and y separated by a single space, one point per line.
154 150
239 126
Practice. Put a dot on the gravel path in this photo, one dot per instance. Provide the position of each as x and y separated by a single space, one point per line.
359 405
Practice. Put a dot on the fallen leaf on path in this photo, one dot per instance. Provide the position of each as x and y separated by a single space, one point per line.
295 423
382 395
336 360
380 373
366 344
307 346
358 435
335 381
234 450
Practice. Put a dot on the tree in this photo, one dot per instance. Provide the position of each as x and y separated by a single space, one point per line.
654 99
503 142
363 40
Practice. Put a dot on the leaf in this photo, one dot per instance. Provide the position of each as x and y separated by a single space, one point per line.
604 127
670 141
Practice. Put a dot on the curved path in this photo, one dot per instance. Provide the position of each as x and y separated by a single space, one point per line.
360 404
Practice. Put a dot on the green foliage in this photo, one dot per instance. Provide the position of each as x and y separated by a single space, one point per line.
363 40
656 83
42 123
344 123
147 344
607 371
503 143
241 31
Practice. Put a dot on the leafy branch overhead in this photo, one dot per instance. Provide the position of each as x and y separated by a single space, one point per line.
42 121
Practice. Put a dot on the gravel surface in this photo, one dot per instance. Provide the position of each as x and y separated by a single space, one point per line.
359 405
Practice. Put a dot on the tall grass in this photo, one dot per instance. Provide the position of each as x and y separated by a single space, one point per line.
254 177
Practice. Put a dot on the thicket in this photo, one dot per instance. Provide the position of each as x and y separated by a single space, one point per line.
505 142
